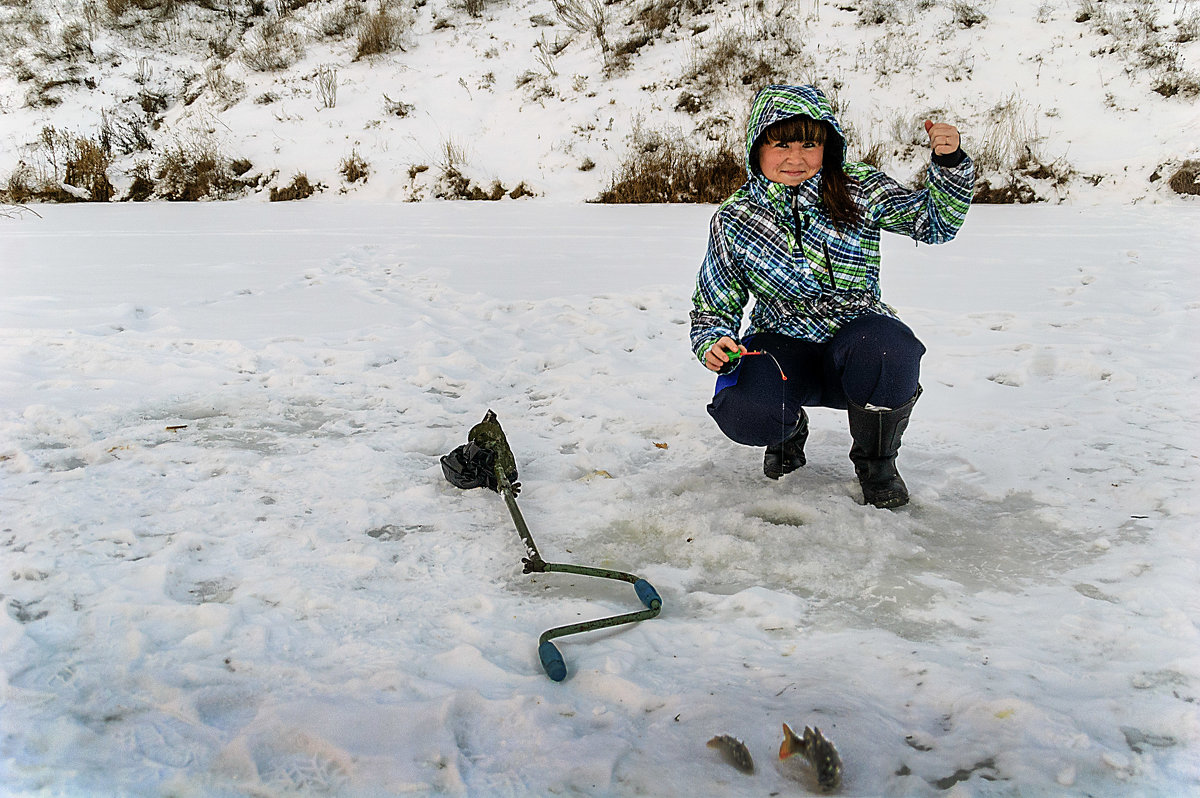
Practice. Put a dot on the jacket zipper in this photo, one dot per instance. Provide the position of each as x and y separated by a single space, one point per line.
798 223
829 265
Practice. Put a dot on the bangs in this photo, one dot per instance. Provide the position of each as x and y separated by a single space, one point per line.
796 128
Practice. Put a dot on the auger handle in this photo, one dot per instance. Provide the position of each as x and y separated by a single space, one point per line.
551 657
552 661
649 596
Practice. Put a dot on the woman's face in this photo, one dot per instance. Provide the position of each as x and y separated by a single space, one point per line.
791 163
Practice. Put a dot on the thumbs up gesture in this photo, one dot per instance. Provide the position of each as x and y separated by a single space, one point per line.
943 138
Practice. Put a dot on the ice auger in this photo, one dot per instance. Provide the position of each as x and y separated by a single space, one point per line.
486 460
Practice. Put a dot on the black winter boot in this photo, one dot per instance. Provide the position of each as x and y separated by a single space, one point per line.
876 435
786 457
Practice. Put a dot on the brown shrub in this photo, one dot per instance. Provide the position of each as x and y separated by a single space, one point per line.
19 188
62 167
339 20
521 190
86 167
354 168
690 103
142 186
273 47
1014 192
298 189
1186 179
381 32
116 7
665 168
452 184
287 6
196 172
656 17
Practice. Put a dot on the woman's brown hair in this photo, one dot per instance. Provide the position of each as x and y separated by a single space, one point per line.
835 183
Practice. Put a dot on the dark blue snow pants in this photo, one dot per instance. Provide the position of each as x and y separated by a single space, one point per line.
873 360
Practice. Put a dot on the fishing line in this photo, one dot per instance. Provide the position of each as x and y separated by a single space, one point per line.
782 388
735 355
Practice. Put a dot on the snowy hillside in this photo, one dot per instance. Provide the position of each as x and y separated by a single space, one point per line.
1091 100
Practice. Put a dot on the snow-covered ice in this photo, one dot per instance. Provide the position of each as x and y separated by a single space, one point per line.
231 565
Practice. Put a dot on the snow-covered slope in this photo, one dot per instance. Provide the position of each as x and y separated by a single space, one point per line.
1065 97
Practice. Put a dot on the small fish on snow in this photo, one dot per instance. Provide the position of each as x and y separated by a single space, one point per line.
819 752
733 751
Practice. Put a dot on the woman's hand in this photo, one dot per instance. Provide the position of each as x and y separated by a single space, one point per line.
718 354
943 138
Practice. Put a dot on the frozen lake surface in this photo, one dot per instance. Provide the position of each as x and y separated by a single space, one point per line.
231 565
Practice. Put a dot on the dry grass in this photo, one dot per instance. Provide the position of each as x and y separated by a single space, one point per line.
663 167
339 20
452 184
141 188
474 8
1011 192
273 46
589 17
1186 180
656 17
882 12
967 14
62 167
300 188
87 168
1010 134
196 171
1131 29
354 168
382 32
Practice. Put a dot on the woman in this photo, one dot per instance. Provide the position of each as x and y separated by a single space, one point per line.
801 237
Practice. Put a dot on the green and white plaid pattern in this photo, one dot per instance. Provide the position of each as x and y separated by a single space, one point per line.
810 290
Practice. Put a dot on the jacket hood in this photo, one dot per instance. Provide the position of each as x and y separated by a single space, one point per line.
777 103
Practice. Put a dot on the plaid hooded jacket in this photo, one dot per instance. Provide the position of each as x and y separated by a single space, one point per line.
807 283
